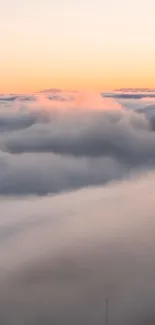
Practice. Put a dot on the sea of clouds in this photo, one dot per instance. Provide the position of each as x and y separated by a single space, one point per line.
55 142
77 184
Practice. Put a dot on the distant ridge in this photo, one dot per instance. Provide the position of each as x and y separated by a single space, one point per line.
51 90
141 90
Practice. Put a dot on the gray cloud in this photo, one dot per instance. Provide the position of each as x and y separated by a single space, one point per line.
28 98
8 98
21 120
131 95
60 98
126 136
11 98
50 151
48 173
61 257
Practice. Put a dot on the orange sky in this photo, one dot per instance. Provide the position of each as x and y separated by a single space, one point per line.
76 44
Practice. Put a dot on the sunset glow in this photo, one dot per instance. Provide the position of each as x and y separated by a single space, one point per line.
76 44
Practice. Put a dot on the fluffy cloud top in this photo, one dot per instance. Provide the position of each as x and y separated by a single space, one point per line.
80 141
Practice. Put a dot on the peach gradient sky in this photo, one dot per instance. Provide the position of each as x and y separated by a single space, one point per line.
88 44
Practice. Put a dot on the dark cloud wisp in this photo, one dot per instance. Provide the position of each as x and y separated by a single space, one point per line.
131 95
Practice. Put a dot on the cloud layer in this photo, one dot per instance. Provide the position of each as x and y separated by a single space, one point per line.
74 140
61 257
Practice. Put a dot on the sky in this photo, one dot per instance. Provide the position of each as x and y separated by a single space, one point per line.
84 44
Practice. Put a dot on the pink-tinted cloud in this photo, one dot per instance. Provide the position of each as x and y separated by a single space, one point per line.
68 101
